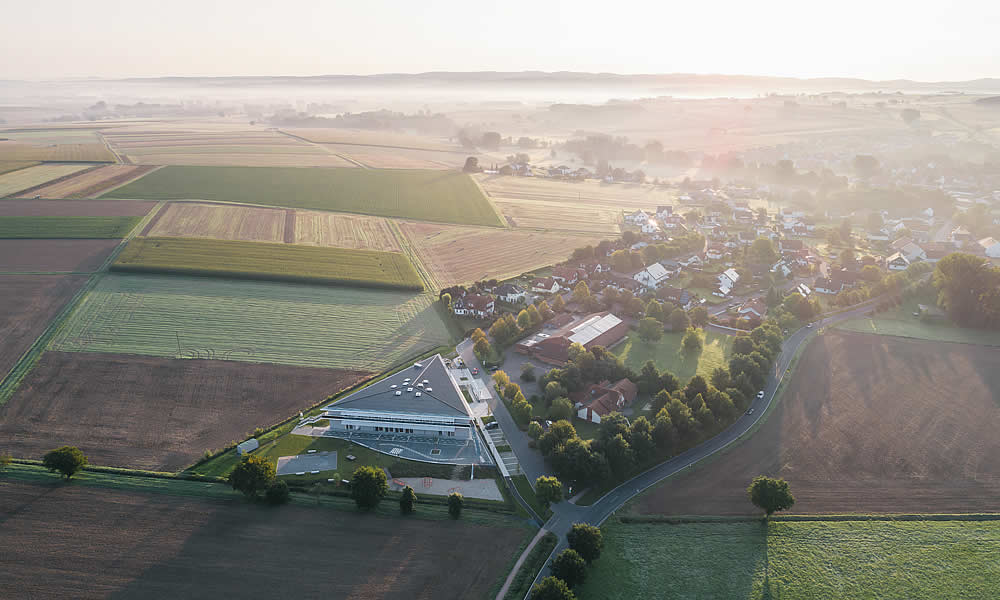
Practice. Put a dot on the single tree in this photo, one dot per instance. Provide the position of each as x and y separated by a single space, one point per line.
587 540
252 475
277 493
581 292
679 320
633 307
455 504
699 316
535 430
408 501
650 330
5 460
527 372
561 409
68 460
558 304
548 490
770 494
569 566
692 342
368 487
471 165
552 588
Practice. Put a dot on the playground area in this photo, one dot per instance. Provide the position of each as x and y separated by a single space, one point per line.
470 488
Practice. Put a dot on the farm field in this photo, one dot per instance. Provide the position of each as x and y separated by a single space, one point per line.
92 183
899 560
27 304
425 195
465 254
22 179
75 541
154 413
364 137
190 317
66 227
217 146
49 136
14 165
867 424
10 207
666 354
381 157
219 221
560 216
54 256
592 193
89 152
274 262
344 231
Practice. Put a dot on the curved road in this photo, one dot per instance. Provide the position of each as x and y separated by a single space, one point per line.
566 514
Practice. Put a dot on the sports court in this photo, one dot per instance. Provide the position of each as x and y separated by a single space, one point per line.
313 462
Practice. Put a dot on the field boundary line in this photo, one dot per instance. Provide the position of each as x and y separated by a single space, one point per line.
431 284
504 224
29 190
10 382
100 193
459 152
330 151
118 157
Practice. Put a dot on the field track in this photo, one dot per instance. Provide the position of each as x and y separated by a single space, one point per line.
867 424
271 262
154 413
79 542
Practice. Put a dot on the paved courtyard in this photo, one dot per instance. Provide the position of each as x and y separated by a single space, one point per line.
432 450
470 488
307 463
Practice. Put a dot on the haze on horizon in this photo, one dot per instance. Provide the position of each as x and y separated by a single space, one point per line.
872 40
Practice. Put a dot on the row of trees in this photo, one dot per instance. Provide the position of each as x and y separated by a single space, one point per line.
569 567
893 283
968 290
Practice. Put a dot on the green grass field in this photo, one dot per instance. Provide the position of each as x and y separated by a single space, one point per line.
267 261
899 321
443 196
888 560
66 227
667 355
197 317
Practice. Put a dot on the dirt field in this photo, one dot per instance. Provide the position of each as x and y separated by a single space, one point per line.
154 413
74 208
54 256
590 193
329 135
16 181
92 183
71 541
216 221
344 231
378 157
867 424
27 304
560 216
465 254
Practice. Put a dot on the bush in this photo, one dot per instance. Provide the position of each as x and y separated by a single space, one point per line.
277 493
5 460
570 567
407 501
552 588
368 487
587 540
455 503
68 460
253 474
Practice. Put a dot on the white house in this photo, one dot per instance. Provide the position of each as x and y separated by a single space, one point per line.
650 227
897 262
652 276
422 401
545 285
990 246
909 249
752 308
512 294
637 218
474 305
727 281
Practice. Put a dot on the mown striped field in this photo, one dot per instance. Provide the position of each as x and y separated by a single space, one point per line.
199 317
274 262
66 227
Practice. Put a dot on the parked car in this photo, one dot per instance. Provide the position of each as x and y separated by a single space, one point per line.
493 425
750 412
475 370
493 368
760 394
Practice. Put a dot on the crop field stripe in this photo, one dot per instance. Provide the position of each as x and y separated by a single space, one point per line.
430 282
9 383
270 262
66 227
427 195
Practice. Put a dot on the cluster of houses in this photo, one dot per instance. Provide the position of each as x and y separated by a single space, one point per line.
482 304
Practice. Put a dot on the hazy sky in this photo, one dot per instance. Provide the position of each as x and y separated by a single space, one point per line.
876 39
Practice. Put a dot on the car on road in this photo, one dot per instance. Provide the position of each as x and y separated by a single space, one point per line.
475 370
809 325
760 394
750 412
493 425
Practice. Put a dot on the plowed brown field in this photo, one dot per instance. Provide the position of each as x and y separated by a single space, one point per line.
27 304
74 208
154 413
868 423
71 541
53 255
456 254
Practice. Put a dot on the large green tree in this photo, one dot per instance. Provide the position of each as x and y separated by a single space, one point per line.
252 475
569 566
770 495
368 486
456 502
587 540
549 490
963 281
67 460
552 588
650 330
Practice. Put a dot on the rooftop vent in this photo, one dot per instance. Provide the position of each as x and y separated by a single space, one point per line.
393 386
399 393
409 389
417 394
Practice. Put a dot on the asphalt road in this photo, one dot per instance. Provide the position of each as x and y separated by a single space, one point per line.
566 514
